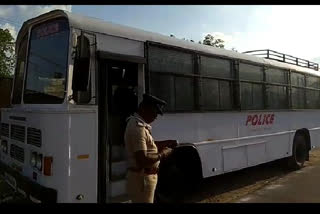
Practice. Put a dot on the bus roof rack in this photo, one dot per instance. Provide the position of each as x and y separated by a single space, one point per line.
274 55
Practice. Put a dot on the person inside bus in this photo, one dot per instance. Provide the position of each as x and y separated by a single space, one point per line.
144 154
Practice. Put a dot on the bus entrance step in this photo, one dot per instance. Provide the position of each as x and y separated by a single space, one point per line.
118 153
120 199
118 188
118 170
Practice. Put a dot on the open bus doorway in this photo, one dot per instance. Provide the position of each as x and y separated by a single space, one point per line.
122 102
118 99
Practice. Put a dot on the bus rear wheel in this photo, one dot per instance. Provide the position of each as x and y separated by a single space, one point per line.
176 181
299 152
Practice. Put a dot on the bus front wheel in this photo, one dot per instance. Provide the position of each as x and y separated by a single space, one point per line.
299 152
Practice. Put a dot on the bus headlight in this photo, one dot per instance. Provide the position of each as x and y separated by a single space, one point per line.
33 159
4 146
39 162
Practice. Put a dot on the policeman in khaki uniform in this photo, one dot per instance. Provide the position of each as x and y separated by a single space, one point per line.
144 154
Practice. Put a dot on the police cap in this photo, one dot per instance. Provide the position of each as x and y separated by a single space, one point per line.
152 100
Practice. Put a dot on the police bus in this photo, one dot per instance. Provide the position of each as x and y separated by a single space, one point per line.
62 137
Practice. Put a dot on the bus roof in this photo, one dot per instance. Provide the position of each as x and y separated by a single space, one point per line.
108 28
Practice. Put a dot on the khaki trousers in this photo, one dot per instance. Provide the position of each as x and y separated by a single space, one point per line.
141 187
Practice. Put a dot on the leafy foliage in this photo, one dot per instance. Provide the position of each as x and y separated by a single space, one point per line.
7 55
234 49
212 41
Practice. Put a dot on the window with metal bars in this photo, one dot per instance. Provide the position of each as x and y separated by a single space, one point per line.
172 77
216 83
251 86
192 81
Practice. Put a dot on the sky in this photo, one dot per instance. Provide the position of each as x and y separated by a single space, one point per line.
287 29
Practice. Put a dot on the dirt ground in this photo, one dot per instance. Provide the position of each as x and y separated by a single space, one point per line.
227 188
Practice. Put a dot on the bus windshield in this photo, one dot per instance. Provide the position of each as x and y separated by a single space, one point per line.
47 63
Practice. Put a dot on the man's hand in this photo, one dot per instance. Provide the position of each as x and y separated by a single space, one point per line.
172 143
165 152
166 143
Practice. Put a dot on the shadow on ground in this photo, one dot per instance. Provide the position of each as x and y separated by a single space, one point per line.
216 186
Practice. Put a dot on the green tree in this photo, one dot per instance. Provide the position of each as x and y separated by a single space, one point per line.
212 41
187 40
7 56
234 49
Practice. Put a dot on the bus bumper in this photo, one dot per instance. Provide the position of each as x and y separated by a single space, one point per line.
29 189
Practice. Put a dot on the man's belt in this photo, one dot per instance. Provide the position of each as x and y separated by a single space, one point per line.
148 171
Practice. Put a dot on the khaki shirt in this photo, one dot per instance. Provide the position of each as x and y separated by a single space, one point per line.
138 137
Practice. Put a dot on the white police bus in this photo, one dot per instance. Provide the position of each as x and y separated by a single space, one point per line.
62 137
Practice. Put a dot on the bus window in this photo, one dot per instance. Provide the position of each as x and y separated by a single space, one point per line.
313 99
184 87
225 95
47 63
251 96
277 96
216 94
169 60
210 89
297 91
80 81
313 93
252 89
297 79
171 78
157 82
250 72
215 67
276 76
297 98
313 82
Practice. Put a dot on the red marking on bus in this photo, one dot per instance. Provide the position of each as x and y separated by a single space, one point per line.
248 119
48 30
254 119
260 119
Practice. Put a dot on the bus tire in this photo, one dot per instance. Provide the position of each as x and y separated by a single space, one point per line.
299 152
168 188
176 179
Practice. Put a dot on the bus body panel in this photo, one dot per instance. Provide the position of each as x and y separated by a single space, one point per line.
84 156
227 141
70 138
117 45
315 137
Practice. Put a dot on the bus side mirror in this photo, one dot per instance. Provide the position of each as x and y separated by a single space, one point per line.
83 47
81 71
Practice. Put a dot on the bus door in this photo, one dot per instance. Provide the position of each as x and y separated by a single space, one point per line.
121 101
